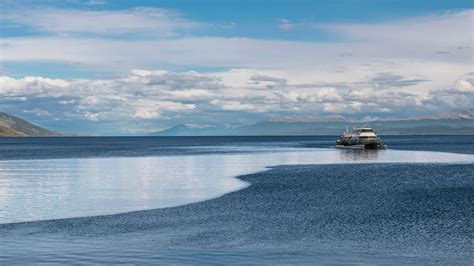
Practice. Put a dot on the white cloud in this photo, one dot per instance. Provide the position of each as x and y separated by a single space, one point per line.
464 86
108 22
192 94
91 116
385 67
95 100
146 114
96 2
407 47
164 95
458 96
286 24
232 105
315 95
433 31
37 112
175 106
32 86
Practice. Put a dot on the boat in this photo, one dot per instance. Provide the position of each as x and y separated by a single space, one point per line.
363 137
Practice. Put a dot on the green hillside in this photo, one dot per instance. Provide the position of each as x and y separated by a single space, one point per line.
12 126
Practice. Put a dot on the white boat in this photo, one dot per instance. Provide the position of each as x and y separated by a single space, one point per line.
363 138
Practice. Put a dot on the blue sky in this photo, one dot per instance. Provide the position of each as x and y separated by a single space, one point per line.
130 67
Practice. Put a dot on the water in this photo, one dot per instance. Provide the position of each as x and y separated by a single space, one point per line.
76 187
85 147
54 178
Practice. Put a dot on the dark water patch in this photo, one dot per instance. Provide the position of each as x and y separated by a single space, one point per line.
87 147
377 213
456 144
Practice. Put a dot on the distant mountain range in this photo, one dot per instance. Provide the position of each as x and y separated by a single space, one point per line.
12 126
461 123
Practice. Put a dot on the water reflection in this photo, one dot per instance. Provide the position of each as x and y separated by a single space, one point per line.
49 189
359 154
60 188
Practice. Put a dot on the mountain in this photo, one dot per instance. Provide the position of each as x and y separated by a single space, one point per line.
461 123
12 126
193 130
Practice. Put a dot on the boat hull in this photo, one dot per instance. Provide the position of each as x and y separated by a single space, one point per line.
362 146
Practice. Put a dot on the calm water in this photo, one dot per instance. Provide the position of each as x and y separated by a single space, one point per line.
84 147
55 178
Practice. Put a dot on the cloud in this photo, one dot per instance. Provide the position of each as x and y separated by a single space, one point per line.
392 47
229 105
91 116
463 86
131 96
264 78
191 97
460 96
319 95
144 113
104 22
37 112
453 26
389 80
381 68
192 94
96 2
285 24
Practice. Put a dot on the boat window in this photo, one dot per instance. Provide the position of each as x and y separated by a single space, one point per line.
366 130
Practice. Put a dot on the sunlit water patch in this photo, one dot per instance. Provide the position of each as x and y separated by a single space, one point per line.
62 188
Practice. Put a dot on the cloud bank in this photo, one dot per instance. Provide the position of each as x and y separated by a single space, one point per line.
392 68
182 97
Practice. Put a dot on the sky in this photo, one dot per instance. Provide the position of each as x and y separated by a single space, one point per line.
104 67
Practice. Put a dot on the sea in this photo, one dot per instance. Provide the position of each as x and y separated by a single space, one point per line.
236 200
